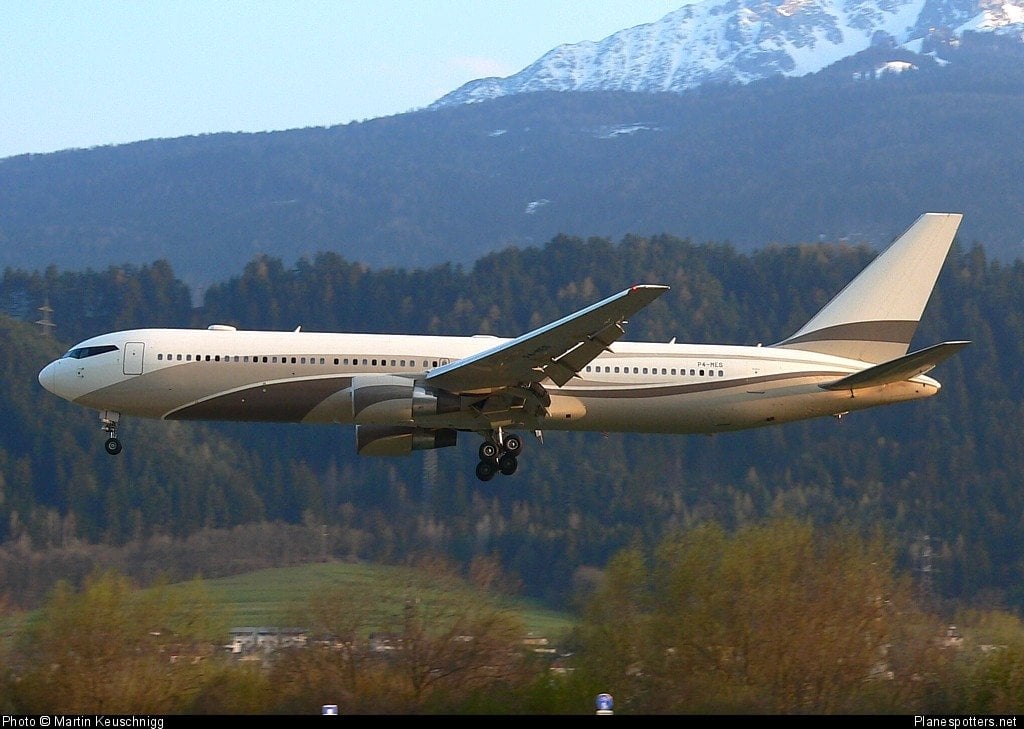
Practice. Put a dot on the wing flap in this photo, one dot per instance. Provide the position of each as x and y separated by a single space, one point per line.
583 354
899 369
558 350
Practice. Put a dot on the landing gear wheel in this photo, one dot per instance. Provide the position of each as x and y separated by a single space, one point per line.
485 470
508 464
108 421
513 444
488 452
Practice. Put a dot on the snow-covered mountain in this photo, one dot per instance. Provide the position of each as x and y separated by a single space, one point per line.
738 41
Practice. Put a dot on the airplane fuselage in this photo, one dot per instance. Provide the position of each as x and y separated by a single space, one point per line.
307 377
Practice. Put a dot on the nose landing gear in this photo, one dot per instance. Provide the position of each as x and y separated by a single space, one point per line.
498 454
108 421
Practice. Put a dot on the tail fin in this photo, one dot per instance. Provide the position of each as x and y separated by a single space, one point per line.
874 318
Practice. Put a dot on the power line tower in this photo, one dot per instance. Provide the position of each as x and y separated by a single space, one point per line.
46 324
925 566
429 479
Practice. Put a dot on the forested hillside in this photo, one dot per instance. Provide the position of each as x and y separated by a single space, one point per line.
939 477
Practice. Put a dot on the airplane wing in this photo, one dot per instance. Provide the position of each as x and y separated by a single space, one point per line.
899 369
557 351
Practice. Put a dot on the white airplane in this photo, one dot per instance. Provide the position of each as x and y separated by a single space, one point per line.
410 392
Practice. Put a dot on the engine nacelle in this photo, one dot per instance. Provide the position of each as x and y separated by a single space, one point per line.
381 399
401 440
390 399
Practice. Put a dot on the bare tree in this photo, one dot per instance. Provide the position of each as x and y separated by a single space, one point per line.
111 649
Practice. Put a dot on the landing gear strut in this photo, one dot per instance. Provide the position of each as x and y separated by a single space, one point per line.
108 421
498 453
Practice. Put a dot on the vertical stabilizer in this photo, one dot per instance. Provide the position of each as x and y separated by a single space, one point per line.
874 318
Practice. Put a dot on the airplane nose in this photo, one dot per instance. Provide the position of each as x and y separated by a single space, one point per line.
47 375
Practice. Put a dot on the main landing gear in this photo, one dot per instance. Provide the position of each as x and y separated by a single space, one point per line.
108 421
498 453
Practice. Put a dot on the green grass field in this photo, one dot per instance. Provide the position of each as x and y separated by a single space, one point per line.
278 597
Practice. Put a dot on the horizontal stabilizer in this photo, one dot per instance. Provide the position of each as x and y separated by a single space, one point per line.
899 369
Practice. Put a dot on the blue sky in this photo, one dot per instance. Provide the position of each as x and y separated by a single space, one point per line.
89 73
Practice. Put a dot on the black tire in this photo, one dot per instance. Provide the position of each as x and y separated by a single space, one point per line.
513 444
489 452
112 446
508 464
485 470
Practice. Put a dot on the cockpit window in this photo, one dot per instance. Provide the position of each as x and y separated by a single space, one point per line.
83 352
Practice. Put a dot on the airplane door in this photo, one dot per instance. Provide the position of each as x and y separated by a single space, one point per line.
133 358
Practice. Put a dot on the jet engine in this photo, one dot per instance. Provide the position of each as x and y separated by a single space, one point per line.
390 399
401 440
